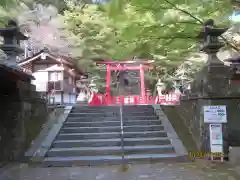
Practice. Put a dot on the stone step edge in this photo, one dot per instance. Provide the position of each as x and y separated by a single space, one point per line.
113 140
112 133
95 122
109 127
113 157
103 148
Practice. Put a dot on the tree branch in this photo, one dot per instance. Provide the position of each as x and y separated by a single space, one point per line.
200 21
184 11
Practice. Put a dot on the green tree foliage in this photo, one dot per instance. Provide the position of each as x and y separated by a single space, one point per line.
175 23
163 30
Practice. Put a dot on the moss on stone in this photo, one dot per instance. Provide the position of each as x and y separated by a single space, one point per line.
181 130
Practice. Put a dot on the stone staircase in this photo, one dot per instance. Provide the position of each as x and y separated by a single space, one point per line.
92 136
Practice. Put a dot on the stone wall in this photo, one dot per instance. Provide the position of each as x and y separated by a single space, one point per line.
211 87
22 114
191 111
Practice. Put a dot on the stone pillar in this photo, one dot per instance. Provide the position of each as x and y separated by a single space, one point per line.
214 79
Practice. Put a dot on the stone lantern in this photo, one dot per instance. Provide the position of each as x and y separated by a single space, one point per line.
210 86
214 75
160 87
209 39
93 87
11 45
177 83
189 88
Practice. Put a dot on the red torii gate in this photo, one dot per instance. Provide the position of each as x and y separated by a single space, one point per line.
121 66
172 98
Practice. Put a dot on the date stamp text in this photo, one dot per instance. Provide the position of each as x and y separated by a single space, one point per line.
202 155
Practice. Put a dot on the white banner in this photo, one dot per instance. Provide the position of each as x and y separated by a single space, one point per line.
215 114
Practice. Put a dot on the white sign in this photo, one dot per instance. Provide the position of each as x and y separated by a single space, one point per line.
215 114
216 139
128 100
216 134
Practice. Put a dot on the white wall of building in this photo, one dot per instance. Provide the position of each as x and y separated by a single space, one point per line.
58 98
67 98
41 82
41 79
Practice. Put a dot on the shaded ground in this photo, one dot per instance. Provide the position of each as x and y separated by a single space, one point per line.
159 171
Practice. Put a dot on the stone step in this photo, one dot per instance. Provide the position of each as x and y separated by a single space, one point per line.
143 128
93 119
134 128
91 115
110 135
109 150
138 113
110 160
89 129
111 123
110 142
137 107
92 124
94 110
126 111
79 107
141 122
114 118
153 117
116 108
92 136
137 110
95 107
110 114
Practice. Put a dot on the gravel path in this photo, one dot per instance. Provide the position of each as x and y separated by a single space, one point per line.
199 170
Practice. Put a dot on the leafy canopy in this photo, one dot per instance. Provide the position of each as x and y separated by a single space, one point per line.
163 30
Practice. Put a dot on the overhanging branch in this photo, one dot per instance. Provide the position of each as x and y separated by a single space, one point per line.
184 11
200 21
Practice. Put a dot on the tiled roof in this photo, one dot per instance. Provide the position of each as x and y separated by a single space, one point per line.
64 59
17 71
